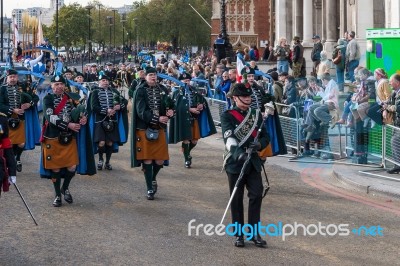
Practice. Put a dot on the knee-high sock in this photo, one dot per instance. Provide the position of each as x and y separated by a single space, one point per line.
67 179
186 151
191 146
156 169
148 175
101 150
56 179
18 152
109 150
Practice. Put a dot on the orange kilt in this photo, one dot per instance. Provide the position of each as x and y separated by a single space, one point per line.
56 155
195 130
17 135
151 150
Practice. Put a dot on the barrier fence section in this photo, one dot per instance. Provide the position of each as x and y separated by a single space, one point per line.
290 128
391 145
217 107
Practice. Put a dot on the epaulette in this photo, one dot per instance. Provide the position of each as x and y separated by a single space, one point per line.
2 114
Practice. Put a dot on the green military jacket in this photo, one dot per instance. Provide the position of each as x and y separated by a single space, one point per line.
5 99
239 134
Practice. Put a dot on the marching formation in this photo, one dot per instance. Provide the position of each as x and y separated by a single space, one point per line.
85 120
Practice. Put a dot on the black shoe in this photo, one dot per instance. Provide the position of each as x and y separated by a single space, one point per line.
19 166
394 170
188 164
155 186
259 242
108 166
57 202
150 195
239 242
67 196
100 165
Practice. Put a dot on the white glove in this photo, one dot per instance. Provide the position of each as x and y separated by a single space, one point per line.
12 179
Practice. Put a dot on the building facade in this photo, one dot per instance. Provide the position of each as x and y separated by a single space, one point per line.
248 22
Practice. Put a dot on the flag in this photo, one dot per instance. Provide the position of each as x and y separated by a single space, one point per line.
16 34
40 39
239 66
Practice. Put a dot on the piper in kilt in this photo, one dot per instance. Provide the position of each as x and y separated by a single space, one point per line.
151 110
13 103
62 120
193 119
106 105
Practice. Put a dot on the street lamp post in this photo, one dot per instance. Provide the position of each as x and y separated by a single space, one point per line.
57 25
110 24
99 27
90 41
9 35
1 7
137 36
123 20
228 46
114 10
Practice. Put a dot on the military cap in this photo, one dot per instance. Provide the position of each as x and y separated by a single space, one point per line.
58 78
109 64
248 71
316 37
149 70
184 76
12 72
104 76
79 74
240 89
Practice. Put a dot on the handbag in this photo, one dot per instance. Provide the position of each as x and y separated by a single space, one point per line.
108 125
13 123
151 134
338 59
65 137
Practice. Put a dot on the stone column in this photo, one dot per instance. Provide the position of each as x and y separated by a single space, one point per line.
307 21
308 33
331 26
343 18
363 22
392 13
280 20
298 18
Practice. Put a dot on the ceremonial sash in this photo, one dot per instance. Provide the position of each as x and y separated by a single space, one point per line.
56 112
241 119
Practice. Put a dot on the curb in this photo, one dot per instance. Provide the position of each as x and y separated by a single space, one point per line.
369 190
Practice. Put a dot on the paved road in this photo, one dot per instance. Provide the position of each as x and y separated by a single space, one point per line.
111 222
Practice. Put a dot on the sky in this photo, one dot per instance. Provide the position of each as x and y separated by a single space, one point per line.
9 5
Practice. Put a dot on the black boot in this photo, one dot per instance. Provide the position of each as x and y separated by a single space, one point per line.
394 170
17 152
101 151
156 169
56 179
65 187
148 175
239 242
259 242
109 150
186 154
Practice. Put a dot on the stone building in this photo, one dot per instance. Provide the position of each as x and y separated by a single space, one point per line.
255 21
248 22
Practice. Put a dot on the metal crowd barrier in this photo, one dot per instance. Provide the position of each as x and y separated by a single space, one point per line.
291 129
217 107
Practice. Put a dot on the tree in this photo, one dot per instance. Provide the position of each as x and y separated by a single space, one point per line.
72 26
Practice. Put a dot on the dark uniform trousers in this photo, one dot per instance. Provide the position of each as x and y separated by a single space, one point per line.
253 182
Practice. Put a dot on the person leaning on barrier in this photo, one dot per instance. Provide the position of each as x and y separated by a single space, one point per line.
278 90
239 129
392 109
289 96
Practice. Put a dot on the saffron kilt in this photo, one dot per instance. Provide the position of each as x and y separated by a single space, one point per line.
17 135
56 155
151 150
195 130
